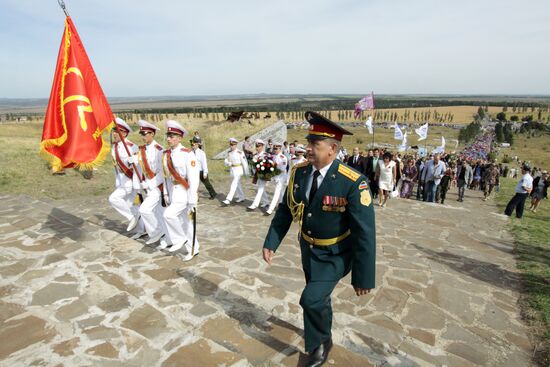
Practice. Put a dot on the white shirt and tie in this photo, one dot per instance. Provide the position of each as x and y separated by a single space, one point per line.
322 173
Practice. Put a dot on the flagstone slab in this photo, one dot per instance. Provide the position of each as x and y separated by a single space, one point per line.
146 321
105 350
54 292
22 333
446 291
200 353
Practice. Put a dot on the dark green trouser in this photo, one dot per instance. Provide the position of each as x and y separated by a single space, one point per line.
208 185
317 307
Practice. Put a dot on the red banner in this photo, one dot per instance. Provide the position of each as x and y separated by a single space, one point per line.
78 111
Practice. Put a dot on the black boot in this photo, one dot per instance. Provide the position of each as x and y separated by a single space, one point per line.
319 356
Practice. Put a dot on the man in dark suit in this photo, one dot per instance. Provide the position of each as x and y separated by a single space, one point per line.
370 171
334 206
357 162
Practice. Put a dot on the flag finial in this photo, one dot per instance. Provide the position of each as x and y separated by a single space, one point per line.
62 5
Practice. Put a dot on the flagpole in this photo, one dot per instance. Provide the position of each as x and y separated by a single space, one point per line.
62 5
373 108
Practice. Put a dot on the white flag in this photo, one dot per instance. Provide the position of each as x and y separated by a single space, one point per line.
398 134
403 145
368 124
422 132
441 148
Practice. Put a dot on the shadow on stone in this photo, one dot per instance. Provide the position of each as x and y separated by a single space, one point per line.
254 322
64 224
481 270
113 225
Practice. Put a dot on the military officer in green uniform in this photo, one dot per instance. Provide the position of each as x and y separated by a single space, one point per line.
333 204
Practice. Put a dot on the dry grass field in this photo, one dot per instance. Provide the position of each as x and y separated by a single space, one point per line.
461 114
22 171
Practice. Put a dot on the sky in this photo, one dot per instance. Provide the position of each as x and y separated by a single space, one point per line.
212 47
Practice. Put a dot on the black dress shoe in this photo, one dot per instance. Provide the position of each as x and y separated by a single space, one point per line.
319 356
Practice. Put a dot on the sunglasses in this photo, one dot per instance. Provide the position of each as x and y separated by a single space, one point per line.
171 135
143 133
259 145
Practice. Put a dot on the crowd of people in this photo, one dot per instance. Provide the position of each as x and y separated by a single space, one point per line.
338 216
163 176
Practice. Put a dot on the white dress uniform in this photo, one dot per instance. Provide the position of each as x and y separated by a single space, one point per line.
261 197
122 198
150 165
297 160
279 180
238 167
182 200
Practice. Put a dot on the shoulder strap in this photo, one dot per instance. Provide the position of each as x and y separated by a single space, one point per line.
182 181
128 172
145 163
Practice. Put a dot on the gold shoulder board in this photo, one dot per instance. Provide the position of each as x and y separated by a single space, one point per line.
348 172
303 164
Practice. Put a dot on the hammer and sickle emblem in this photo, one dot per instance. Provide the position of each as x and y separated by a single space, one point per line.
80 108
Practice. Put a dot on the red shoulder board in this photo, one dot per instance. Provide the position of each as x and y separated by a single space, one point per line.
185 150
158 147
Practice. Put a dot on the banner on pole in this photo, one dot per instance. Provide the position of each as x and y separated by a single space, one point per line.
422 132
365 103
78 112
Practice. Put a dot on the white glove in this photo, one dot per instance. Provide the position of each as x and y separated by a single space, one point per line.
167 199
191 207
205 175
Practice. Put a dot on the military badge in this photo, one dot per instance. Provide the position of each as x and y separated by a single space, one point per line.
365 198
334 204
363 185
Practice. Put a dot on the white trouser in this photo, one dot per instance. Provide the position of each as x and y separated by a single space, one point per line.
122 200
236 173
151 212
179 226
261 195
278 194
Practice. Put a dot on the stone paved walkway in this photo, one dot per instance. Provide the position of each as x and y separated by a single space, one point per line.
74 291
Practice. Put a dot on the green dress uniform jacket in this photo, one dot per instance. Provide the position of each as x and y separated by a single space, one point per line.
337 236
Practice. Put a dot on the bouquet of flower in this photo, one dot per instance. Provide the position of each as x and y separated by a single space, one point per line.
265 168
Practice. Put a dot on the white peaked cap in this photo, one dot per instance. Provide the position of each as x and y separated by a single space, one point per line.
299 150
259 141
233 140
144 125
175 127
121 123
277 143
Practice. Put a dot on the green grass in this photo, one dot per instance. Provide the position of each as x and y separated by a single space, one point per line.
532 249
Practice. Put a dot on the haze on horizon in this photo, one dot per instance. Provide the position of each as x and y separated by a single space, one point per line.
184 48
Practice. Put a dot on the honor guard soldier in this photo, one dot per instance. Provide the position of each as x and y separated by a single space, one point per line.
298 157
333 205
280 180
238 167
150 165
182 178
196 144
122 199
261 197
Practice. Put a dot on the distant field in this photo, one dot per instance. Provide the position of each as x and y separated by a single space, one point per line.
535 150
22 171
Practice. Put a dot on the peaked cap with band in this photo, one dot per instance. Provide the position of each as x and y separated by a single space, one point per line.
322 128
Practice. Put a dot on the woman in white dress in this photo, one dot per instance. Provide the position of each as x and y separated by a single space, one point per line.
385 174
